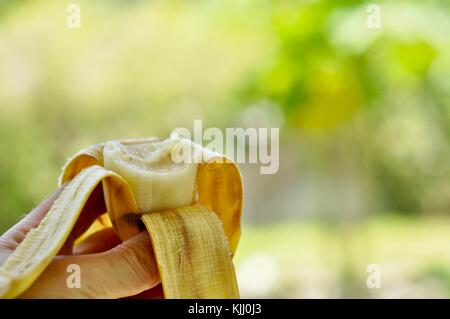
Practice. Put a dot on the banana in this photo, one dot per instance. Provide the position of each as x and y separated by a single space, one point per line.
157 182
191 209
180 239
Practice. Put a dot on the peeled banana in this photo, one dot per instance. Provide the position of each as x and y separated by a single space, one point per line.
191 209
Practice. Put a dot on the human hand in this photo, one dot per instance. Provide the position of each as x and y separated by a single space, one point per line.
109 268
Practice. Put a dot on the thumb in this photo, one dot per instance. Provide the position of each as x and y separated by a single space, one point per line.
14 236
125 270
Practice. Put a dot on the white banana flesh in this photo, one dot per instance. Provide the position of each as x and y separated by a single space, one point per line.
158 183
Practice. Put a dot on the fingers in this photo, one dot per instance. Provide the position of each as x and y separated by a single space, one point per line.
154 293
98 242
14 236
125 270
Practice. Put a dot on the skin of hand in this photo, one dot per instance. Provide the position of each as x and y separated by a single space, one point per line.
109 268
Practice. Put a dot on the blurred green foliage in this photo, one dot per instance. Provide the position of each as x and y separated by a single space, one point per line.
310 260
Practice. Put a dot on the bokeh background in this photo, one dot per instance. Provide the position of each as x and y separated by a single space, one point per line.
364 118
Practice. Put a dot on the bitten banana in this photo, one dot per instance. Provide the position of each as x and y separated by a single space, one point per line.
192 211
